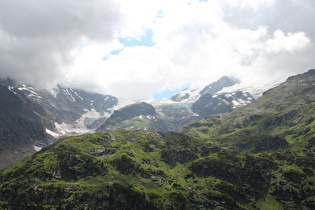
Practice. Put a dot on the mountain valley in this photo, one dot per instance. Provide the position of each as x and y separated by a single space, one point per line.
229 152
66 111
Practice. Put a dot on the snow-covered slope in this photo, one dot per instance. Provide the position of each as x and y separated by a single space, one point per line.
190 105
193 104
74 111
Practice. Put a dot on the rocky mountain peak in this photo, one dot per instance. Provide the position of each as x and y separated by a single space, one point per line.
214 87
307 76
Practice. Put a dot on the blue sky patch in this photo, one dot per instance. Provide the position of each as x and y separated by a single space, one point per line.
116 52
145 40
166 93
113 52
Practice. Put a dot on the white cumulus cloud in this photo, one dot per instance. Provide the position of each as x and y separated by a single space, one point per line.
81 44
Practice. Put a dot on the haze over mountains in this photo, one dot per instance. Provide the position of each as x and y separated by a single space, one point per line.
67 111
258 156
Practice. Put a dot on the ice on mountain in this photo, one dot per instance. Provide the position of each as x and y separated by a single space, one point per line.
53 134
37 149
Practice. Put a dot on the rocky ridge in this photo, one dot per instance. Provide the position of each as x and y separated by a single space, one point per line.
68 111
189 105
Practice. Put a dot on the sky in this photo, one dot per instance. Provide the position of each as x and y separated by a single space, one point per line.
150 48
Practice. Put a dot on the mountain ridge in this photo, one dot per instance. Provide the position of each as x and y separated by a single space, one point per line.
72 111
259 156
189 105
277 111
22 130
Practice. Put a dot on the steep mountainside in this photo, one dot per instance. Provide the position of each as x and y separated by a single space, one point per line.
260 156
32 118
156 170
172 114
66 111
283 116
73 110
22 126
141 116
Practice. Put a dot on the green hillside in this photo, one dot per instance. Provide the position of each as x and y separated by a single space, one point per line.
260 156
156 170
282 118
140 116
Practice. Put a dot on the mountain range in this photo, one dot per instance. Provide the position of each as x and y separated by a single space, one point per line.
172 114
258 156
65 111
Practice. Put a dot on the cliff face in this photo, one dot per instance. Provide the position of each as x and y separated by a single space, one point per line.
22 127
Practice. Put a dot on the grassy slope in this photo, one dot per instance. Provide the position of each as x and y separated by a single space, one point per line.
284 114
155 170
259 156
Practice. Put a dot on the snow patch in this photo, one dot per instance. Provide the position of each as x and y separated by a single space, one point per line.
11 89
239 102
236 103
53 134
31 91
37 148
255 89
70 96
68 128
121 103
78 95
86 119
80 125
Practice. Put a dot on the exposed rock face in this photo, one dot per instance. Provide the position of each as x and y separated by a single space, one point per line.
22 127
33 118
307 76
273 121
135 116
189 105
72 108
218 85
179 97
67 111
222 103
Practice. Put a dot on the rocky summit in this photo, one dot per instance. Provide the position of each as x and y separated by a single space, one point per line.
172 114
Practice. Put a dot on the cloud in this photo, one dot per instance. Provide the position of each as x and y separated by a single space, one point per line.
37 37
290 42
84 44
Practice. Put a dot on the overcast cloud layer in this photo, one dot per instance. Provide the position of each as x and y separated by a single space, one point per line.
82 44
